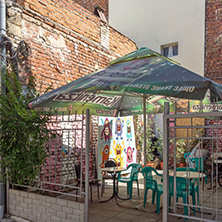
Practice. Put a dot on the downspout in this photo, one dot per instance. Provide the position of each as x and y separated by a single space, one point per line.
3 72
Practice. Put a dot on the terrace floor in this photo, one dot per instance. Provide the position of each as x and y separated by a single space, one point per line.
133 210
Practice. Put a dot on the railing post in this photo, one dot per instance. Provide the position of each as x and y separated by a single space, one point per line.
87 166
165 162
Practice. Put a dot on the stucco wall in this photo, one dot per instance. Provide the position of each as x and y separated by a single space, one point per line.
154 23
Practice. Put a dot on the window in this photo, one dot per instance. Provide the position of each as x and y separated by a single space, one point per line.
169 50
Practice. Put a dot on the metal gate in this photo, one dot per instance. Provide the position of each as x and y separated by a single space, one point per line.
68 146
205 131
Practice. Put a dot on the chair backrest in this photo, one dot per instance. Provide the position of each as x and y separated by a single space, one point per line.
198 163
148 173
134 167
110 163
186 169
181 185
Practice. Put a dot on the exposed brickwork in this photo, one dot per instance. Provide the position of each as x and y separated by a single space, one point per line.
66 40
89 5
36 207
213 64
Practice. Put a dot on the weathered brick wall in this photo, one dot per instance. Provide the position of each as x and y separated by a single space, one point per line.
214 132
36 207
213 53
66 40
89 5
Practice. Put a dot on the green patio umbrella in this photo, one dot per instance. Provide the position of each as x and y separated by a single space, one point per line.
128 86
123 87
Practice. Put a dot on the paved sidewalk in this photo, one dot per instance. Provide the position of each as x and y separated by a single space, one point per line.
13 219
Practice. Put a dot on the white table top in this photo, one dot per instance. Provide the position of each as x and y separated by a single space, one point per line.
188 174
113 169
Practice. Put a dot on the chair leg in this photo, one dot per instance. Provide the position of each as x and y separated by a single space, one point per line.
91 192
185 207
158 203
127 188
194 202
102 190
138 189
76 195
145 195
153 196
130 189
198 200
97 189
169 203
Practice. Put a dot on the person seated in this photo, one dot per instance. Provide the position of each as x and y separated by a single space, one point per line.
202 152
192 155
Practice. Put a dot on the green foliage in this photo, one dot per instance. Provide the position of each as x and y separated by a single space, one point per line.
151 128
23 134
180 150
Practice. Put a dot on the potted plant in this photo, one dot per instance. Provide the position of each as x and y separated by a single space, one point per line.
150 145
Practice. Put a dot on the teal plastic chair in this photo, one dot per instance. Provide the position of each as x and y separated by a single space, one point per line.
188 159
195 181
199 166
184 188
133 169
152 185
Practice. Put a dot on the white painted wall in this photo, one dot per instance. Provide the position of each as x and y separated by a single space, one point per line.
152 23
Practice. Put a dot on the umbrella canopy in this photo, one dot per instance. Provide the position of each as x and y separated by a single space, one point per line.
123 86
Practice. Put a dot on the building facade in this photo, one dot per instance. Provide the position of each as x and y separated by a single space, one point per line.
64 41
213 46
173 28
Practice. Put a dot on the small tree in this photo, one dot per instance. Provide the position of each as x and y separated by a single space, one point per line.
23 133
151 126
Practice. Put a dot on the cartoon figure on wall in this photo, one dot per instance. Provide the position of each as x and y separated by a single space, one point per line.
129 155
119 128
106 132
116 139
105 155
128 130
118 149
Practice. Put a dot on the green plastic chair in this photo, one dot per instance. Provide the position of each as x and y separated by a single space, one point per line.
199 166
195 181
133 169
152 185
182 191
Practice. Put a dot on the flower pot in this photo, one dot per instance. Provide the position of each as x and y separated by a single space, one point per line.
161 165
182 164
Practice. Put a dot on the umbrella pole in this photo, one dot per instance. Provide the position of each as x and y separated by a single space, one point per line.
144 127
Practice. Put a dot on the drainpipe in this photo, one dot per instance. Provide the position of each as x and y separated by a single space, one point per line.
3 72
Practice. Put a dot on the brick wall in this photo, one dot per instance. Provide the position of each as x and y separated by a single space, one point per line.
66 40
213 62
36 207
89 5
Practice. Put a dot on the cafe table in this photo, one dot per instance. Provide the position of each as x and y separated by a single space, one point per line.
188 174
217 157
113 171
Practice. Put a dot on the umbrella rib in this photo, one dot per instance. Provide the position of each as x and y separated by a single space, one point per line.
131 94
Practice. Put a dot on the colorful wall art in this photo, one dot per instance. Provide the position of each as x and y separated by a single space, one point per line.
116 141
